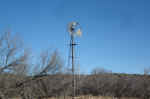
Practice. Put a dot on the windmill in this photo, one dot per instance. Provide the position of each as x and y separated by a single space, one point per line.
74 30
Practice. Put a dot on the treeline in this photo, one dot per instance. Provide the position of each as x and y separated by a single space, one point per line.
115 85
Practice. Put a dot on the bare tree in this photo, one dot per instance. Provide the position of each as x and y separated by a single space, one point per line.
12 54
13 60
146 71
99 70
49 63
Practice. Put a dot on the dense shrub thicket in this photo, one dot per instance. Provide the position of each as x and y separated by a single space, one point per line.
116 85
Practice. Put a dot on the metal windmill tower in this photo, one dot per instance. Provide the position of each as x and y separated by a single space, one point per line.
75 31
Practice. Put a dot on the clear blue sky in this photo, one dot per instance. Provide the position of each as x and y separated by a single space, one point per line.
115 32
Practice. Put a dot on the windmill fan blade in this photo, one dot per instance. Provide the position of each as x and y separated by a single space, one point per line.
79 32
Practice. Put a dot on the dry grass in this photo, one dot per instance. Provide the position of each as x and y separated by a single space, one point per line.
91 97
87 97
